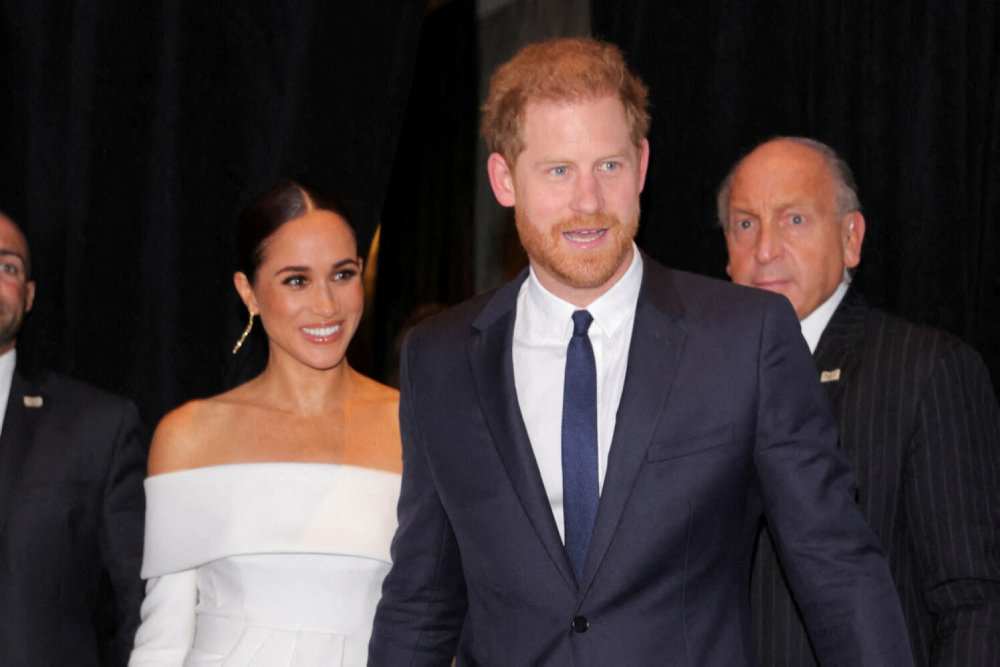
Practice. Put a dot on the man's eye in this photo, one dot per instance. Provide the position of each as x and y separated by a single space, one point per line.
610 165
798 219
744 224
12 269
559 171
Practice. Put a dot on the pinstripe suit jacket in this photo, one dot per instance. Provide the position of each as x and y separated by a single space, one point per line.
920 424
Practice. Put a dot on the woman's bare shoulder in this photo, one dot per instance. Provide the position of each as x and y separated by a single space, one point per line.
374 393
188 436
172 445
373 426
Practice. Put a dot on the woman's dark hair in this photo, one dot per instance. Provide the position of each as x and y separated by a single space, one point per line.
269 210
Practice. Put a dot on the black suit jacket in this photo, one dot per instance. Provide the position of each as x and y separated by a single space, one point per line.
72 463
720 418
920 425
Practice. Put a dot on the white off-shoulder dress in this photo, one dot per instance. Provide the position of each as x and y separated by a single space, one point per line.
264 564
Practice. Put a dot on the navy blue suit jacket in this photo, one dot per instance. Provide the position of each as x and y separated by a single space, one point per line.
721 420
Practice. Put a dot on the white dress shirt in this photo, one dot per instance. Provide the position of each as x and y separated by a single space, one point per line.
8 360
815 322
542 329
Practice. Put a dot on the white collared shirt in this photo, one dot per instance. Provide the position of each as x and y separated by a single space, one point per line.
542 330
8 360
815 322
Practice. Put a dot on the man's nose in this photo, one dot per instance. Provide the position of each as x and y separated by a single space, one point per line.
769 245
587 197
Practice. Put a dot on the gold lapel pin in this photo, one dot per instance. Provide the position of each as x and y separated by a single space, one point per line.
830 376
32 401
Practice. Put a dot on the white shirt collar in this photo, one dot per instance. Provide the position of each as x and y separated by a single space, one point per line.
815 322
542 328
8 360
552 316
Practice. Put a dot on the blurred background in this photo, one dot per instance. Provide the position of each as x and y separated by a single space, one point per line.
133 133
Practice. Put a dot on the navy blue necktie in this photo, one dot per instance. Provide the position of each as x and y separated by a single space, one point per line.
579 443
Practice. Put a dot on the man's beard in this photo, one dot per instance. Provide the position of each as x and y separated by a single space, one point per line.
581 269
11 320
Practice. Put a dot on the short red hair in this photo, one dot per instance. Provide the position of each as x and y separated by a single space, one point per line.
559 70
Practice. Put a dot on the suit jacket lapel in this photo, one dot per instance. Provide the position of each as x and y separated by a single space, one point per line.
654 352
19 425
837 354
491 359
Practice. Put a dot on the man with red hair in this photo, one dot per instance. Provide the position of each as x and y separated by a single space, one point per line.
588 450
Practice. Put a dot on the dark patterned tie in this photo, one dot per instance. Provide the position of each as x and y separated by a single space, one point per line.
579 443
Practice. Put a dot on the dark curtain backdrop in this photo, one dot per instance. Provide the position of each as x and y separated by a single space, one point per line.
133 132
426 253
908 92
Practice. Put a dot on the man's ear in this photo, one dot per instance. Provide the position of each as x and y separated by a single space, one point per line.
643 163
29 295
853 229
501 179
245 290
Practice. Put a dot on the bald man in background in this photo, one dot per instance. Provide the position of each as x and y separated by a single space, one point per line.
917 413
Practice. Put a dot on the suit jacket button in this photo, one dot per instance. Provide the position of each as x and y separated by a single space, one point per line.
580 624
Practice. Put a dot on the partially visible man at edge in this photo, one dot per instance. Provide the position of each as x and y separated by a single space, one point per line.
918 417
544 520
72 464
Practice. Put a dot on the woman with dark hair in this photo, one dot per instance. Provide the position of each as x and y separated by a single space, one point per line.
270 507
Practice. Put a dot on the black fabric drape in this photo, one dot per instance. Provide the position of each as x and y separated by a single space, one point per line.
426 253
133 133
908 92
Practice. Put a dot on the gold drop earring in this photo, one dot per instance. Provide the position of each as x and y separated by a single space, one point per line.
246 332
